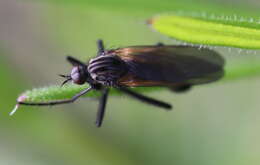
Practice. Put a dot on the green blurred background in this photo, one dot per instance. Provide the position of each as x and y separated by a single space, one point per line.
213 124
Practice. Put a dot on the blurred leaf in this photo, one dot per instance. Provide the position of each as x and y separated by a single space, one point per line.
206 29
243 69
152 6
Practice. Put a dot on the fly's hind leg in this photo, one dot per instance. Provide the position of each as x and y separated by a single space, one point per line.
146 99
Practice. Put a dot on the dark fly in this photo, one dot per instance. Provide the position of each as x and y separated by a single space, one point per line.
174 67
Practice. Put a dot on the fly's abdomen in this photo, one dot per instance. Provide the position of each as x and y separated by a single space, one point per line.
106 69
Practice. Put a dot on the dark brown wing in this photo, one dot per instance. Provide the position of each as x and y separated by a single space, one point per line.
169 65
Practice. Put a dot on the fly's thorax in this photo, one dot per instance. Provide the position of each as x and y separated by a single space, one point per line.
107 69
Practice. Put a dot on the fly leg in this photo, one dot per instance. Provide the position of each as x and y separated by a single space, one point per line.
103 99
75 62
101 47
146 99
102 107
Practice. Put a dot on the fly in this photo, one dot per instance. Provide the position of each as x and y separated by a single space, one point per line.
175 67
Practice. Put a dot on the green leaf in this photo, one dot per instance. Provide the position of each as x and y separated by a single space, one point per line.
54 92
231 31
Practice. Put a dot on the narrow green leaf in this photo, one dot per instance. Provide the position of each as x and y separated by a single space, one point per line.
210 29
52 93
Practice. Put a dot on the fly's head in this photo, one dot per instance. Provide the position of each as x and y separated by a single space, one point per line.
79 73
106 69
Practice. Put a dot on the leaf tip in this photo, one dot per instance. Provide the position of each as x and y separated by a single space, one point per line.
19 100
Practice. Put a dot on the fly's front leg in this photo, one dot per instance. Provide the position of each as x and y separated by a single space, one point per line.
75 62
101 47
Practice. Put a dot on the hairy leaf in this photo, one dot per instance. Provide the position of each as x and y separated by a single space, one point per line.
231 31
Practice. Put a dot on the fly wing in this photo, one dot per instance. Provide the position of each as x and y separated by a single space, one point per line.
169 65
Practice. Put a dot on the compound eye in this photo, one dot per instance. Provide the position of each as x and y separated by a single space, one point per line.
77 75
